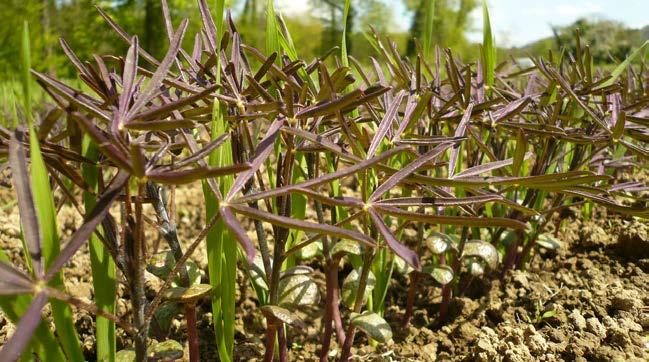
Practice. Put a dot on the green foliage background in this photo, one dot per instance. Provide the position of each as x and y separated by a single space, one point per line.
313 33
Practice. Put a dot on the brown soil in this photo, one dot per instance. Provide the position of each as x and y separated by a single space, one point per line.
588 302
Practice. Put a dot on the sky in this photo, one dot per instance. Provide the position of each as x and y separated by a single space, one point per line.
519 22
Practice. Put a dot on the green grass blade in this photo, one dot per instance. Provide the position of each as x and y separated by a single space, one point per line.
622 66
40 182
488 47
221 247
103 266
62 313
343 41
272 38
25 54
427 36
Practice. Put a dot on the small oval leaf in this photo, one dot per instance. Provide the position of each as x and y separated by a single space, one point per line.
165 314
549 242
443 274
439 243
298 290
483 250
373 325
310 251
169 350
346 247
281 314
401 266
125 355
475 267
350 287
257 274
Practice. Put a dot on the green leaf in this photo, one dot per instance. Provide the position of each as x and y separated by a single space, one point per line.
346 247
25 55
439 243
475 266
483 250
125 355
103 267
62 313
297 290
549 242
343 41
622 66
443 274
488 47
427 36
519 153
373 325
350 288
281 314
169 350
272 41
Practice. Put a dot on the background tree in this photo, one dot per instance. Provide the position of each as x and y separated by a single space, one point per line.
450 24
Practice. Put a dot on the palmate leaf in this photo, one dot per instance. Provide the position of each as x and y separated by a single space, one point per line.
164 110
128 86
406 171
386 124
110 150
13 281
91 221
488 167
161 71
459 132
326 178
262 152
239 233
471 221
302 225
398 248
181 177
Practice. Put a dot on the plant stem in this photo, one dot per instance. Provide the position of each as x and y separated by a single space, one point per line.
446 290
358 305
192 332
410 301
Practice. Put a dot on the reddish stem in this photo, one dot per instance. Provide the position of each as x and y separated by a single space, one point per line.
327 320
270 341
446 299
347 346
338 322
192 332
281 336
410 302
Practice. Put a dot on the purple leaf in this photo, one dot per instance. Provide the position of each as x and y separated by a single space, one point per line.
28 215
90 224
401 250
14 347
